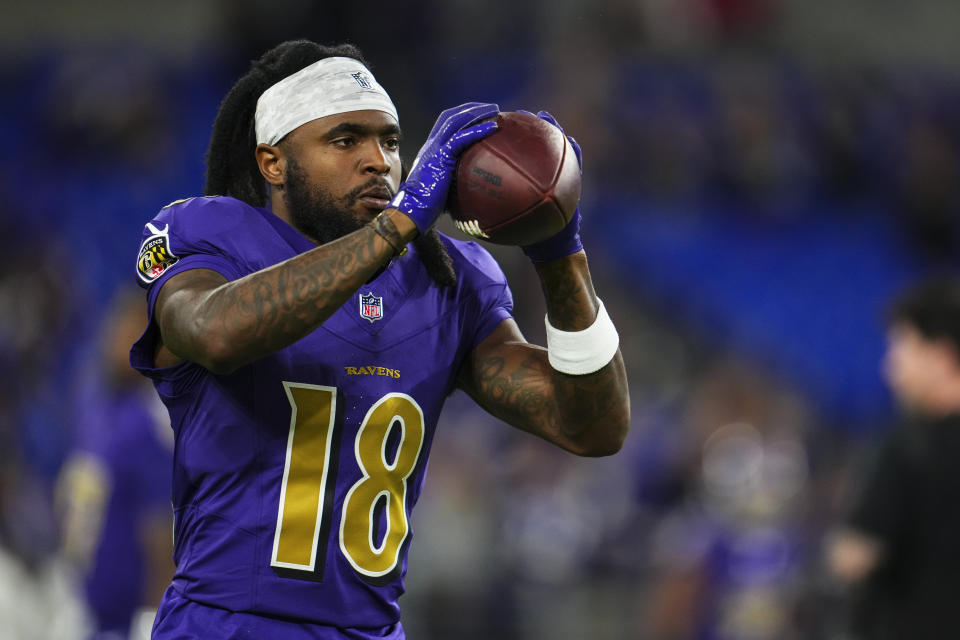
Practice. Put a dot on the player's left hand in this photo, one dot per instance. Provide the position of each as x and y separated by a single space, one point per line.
566 241
424 193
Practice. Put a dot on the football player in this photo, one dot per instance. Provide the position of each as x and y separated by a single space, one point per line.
307 323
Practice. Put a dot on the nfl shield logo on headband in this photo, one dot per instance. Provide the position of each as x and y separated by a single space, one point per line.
371 306
362 79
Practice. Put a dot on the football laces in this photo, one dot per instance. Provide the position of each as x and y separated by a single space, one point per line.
471 228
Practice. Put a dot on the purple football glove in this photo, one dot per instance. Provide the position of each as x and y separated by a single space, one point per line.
566 241
424 193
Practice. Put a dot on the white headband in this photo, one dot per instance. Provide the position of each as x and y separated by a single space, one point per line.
326 87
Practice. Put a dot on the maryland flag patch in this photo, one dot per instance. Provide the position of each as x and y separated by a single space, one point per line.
155 254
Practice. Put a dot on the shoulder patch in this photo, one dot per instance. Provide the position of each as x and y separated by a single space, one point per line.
155 255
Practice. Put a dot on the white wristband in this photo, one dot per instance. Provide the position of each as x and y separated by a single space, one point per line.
582 352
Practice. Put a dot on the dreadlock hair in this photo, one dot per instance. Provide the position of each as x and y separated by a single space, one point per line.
232 168
231 164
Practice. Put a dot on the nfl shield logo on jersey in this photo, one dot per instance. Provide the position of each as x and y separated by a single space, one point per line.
371 306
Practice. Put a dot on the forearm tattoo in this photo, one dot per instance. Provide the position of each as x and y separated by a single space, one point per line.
385 228
519 389
273 308
568 292
515 381
556 406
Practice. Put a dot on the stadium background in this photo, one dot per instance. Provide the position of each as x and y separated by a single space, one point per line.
761 176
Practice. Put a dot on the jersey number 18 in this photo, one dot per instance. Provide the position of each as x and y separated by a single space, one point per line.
305 511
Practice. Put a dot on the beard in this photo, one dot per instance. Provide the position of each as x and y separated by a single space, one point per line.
316 212
319 215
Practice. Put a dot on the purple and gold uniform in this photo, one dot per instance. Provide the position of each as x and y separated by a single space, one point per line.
295 476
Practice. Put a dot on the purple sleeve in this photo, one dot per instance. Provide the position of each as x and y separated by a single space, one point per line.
495 310
198 233
487 285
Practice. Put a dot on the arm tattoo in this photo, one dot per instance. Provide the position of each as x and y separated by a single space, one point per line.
286 302
517 391
514 381
273 308
568 291
385 228
531 395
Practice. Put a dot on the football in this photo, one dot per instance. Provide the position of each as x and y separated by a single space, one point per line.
517 186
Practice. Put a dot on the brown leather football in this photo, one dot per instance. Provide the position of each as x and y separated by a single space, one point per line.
517 186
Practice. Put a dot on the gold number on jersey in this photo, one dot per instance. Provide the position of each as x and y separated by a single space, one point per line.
382 479
312 413
382 490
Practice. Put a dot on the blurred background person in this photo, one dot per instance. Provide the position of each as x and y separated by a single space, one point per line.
114 487
726 559
897 553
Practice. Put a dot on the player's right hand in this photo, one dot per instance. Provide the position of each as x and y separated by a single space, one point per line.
567 240
424 193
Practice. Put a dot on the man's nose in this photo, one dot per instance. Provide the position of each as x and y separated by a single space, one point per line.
374 158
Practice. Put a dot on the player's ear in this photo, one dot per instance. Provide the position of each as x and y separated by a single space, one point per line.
272 163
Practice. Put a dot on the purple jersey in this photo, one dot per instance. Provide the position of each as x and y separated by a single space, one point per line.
295 476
